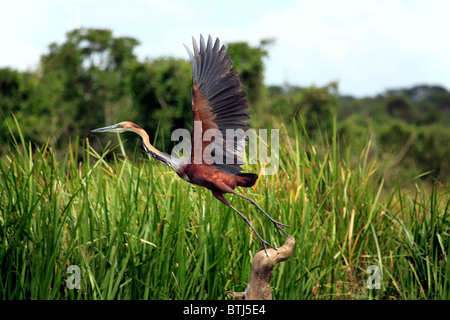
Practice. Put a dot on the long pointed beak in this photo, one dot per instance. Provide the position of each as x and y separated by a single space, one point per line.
113 128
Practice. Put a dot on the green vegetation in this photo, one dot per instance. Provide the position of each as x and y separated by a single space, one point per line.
95 79
137 231
363 181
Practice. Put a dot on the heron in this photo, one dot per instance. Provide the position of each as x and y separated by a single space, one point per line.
219 103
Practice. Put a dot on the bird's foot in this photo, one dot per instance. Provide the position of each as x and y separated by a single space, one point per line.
264 245
279 226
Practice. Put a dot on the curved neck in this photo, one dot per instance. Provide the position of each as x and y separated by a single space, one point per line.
155 153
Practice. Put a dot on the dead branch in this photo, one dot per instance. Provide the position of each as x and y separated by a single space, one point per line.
258 287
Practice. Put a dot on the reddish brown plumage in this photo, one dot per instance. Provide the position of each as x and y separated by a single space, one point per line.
202 111
219 103
246 180
214 179
209 177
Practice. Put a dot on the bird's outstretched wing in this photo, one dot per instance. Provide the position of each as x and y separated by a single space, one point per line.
219 103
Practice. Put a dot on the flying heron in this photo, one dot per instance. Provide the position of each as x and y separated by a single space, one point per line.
219 103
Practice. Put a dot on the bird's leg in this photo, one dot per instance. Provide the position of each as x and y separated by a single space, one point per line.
264 243
220 196
278 225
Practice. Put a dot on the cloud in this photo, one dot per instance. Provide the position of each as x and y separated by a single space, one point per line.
15 51
367 46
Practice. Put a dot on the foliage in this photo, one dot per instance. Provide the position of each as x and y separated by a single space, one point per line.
317 104
87 75
95 79
137 231
364 181
248 62
161 91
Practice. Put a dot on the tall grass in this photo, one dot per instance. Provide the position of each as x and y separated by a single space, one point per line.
137 231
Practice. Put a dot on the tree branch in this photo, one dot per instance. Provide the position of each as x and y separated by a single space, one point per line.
259 286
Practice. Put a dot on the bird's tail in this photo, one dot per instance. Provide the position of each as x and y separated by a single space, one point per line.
246 179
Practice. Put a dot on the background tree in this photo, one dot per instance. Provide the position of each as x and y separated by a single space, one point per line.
21 97
400 107
248 61
316 105
86 79
161 91
94 78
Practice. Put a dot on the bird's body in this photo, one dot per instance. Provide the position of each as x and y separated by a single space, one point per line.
219 105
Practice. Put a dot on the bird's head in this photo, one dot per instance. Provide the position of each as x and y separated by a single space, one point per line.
120 127
130 126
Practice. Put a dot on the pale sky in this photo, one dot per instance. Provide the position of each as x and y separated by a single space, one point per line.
367 46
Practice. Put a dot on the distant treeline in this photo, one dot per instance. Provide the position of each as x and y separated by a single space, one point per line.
95 79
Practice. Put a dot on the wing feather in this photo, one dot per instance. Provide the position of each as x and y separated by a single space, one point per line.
218 100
